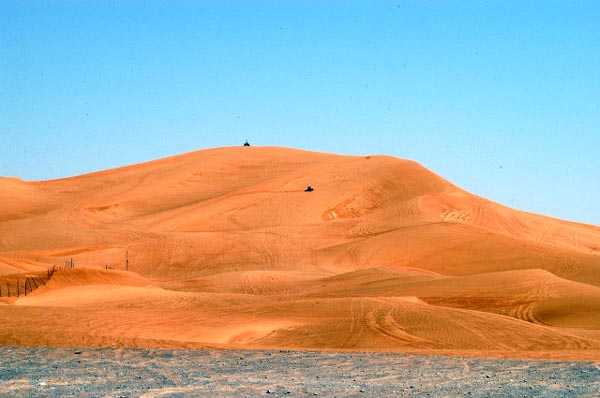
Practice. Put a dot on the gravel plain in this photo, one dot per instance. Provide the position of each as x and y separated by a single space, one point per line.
108 372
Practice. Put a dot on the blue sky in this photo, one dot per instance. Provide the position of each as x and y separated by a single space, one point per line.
500 97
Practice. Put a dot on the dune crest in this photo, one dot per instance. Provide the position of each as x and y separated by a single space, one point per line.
226 249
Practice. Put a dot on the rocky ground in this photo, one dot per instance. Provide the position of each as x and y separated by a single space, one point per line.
103 372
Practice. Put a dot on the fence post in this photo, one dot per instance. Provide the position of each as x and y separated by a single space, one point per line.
8 288
18 293
25 286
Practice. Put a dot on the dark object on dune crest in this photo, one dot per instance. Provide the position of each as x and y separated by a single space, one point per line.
309 188
246 143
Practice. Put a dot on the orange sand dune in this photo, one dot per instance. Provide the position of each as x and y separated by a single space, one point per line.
225 249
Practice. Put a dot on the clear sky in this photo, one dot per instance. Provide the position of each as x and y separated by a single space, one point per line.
500 97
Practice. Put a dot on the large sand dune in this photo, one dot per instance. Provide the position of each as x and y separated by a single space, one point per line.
227 250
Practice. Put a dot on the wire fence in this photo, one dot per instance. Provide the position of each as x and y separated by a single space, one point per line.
24 284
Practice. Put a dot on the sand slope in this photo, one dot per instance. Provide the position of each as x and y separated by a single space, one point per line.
227 250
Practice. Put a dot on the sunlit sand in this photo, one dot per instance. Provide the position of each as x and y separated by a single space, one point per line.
227 250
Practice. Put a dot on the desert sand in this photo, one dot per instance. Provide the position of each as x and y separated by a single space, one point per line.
226 250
